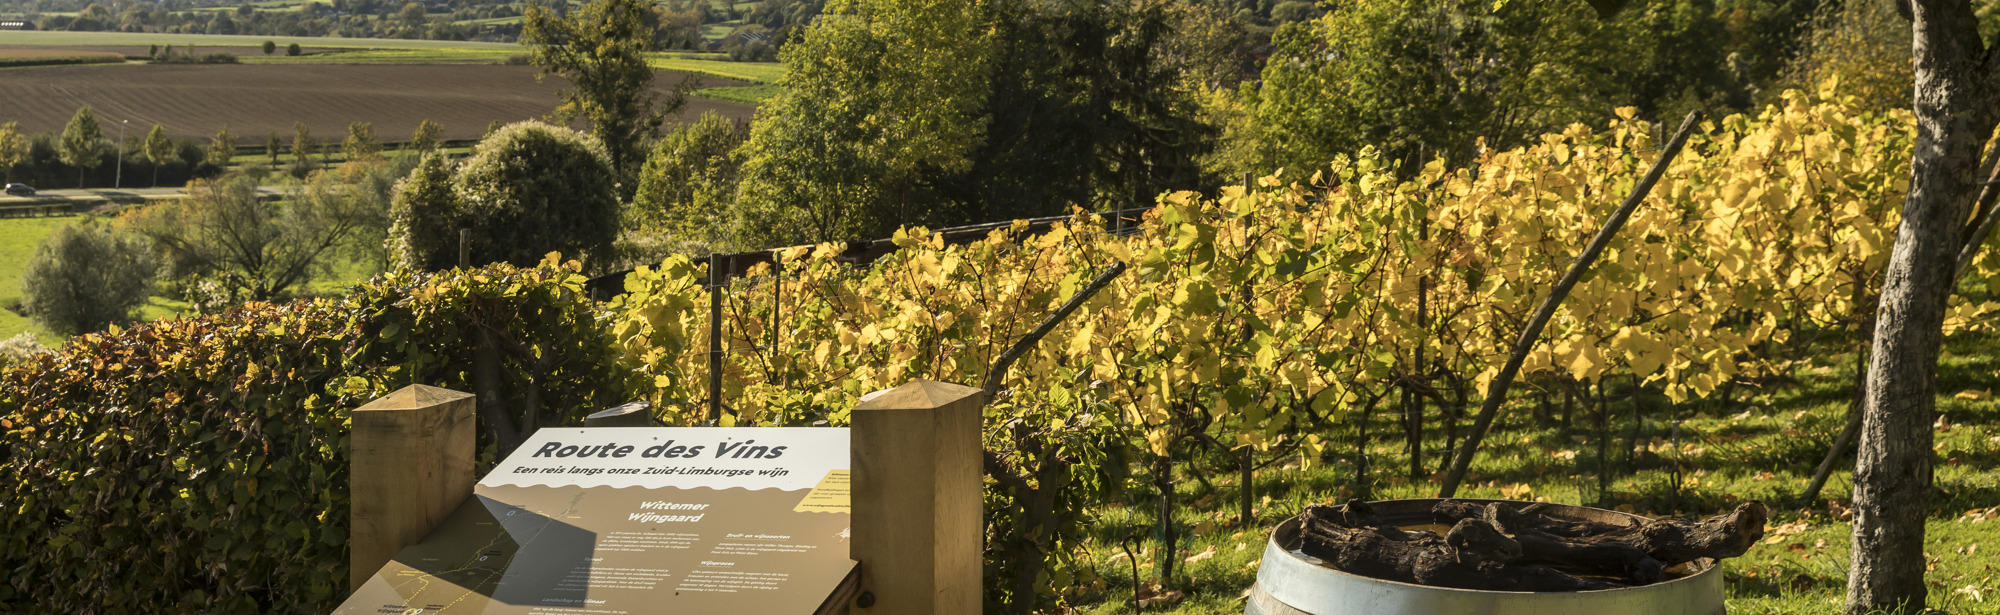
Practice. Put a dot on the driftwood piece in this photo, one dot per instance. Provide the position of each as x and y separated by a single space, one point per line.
1519 546
1473 555
1670 541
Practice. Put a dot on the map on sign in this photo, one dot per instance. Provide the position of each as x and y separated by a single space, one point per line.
626 520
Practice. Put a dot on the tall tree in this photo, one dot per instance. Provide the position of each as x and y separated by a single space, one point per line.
222 149
879 96
158 150
1420 78
1957 104
361 143
13 147
952 111
600 50
427 136
83 145
304 147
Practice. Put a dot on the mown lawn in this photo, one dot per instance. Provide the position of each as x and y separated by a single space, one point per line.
20 236
1764 446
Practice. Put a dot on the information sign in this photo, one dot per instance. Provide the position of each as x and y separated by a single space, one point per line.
629 520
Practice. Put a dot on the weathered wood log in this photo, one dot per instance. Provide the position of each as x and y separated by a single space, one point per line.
1507 546
1473 555
1670 541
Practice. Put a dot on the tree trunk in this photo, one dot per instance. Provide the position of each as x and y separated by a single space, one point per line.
1892 474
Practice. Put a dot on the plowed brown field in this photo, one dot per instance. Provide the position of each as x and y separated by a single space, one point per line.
254 100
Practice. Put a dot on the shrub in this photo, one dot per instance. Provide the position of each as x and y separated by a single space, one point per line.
529 189
421 216
86 276
293 50
688 183
200 465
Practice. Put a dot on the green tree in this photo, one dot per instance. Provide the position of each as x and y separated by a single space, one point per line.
948 112
158 150
412 14
689 182
222 149
85 276
270 47
13 148
361 143
304 147
600 50
528 190
294 50
427 137
1423 78
257 248
83 145
273 146
875 94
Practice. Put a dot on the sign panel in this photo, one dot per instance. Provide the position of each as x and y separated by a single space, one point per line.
630 520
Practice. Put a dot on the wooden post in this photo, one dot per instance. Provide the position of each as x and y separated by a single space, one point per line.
412 454
916 500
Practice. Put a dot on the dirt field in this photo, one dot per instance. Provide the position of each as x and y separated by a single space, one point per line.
255 100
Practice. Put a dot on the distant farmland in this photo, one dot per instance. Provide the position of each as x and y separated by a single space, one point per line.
254 100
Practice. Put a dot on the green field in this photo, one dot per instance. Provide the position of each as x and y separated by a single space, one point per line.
1761 447
754 72
47 38
749 95
391 56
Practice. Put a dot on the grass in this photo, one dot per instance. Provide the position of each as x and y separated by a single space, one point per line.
20 236
18 239
751 95
1763 446
754 72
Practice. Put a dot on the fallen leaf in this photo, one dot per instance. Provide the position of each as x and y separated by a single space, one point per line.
1517 491
1973 394
1970 592
1163 599
1777 534
1205 554
1565 455
1765 476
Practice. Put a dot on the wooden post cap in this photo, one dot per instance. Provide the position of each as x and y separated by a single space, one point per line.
916 501
412 464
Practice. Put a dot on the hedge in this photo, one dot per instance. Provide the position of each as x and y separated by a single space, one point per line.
199 465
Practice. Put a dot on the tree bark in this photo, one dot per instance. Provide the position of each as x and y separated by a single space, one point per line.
1892 475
